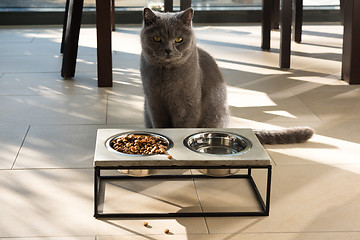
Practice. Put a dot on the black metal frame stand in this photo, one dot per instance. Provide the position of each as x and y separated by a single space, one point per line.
264 204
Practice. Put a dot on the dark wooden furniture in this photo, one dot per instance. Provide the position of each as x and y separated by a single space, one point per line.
351 40
105 22
184 4
351 37
70 38
103 26
270 21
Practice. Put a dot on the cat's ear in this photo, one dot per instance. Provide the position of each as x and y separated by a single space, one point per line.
149 16
187 16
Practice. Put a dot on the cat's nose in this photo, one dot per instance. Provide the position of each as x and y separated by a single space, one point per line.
168 51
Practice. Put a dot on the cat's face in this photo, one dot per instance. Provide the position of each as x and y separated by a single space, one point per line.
167 38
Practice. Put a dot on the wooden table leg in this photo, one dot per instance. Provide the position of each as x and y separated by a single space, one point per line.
104 51
185 4
71 38
275 14
168 5
351 40
285 33
298 20
342 11
113 15
267 6
64 26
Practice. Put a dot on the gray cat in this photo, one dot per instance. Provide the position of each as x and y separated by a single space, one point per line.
183 85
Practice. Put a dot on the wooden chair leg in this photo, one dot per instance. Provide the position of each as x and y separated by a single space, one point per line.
64 26
351 39
275 14
104 48
71 38
298 20
113 15
185 4
168 5
342 11
267 6
285 33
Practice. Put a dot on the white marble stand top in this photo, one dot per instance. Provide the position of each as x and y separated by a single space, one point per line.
181 155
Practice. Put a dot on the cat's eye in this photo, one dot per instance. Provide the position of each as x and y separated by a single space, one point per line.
178 40
157 39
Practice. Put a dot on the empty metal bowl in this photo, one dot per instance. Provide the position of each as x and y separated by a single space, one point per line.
217 143
137 172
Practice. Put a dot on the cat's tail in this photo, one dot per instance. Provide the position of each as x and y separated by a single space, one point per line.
284 136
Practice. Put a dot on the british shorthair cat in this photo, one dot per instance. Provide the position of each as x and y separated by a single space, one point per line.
183 85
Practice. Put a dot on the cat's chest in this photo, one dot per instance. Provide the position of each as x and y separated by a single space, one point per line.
169 84
170 78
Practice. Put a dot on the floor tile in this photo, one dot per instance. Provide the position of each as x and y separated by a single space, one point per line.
22 64
291 81
83 83
328 60
333 143
66 146
304 199
84 62
59 202
11 138
52 238
225 195
268 108
33 48
335 105
48 83
154 196
126 61
126 81
53 109
14 35
46 33
126 40
125 108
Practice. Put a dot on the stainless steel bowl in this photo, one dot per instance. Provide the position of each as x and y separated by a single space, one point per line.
218 172
218 143
137 172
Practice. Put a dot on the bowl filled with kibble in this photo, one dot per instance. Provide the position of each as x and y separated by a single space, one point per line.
140 144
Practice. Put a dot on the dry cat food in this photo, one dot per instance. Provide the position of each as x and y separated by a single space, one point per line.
139 144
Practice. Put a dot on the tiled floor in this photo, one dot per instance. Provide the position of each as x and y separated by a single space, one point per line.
48 128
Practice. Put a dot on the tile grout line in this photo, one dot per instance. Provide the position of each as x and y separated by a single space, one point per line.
21 145
202 210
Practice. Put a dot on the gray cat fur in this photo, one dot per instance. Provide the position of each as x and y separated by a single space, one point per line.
182 83
183 88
